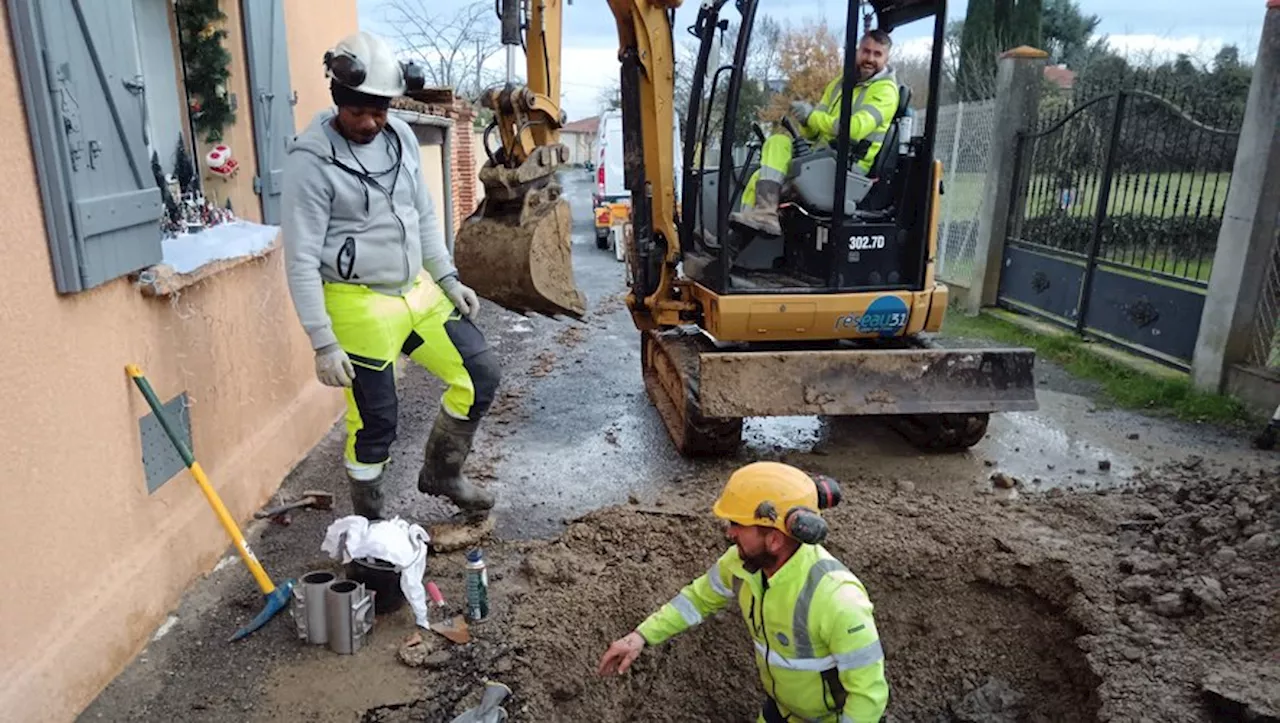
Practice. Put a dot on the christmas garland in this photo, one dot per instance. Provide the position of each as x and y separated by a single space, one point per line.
206 66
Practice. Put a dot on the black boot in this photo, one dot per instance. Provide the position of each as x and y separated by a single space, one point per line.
447 449
763 216
366 497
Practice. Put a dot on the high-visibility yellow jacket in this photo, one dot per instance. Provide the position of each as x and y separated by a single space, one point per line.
875 101
816 643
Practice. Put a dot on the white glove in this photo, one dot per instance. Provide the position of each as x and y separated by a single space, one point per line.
333 366
802 110
463 297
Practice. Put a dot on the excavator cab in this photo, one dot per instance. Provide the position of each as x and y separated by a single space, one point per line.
877 240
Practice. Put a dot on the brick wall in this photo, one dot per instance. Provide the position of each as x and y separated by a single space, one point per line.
464 164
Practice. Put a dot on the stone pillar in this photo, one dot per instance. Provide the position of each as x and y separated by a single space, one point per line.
1249 222
1018 80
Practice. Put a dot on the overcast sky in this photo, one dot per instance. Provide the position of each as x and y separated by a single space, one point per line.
1165 26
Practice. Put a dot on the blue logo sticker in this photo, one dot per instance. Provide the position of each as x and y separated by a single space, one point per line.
783 639
886 316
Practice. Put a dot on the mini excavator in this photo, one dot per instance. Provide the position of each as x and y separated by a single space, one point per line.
833 318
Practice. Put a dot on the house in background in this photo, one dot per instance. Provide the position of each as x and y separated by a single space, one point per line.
92 489
1061 76
580 138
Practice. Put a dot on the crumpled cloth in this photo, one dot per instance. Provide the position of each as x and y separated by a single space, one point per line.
394 540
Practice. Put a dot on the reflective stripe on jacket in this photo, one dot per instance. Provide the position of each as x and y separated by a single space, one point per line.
816 644
875 101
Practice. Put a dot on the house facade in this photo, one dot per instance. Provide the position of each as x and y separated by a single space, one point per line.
95 94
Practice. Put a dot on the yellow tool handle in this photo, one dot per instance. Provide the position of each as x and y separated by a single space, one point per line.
250 560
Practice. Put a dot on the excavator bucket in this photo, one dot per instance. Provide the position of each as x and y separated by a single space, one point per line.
514 250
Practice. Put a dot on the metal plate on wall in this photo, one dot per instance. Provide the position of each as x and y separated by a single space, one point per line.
160 460
1048 283
1164 318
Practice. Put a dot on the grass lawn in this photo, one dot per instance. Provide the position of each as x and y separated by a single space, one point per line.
1158 195
1122 385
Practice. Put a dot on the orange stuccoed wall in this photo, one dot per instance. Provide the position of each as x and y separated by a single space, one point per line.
105 561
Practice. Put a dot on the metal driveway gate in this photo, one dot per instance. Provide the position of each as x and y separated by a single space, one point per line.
1114 221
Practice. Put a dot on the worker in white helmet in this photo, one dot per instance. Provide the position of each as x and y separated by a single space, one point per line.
371 277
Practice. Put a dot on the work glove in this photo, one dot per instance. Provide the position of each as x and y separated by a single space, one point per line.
333 366
801 110
463 297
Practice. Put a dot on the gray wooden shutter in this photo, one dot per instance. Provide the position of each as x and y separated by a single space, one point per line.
268 50
84 96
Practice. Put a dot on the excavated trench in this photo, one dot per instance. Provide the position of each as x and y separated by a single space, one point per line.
969 633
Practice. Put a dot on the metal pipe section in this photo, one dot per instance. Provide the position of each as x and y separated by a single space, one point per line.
308 606
348 616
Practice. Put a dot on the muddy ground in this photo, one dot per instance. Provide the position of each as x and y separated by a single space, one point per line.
1129 573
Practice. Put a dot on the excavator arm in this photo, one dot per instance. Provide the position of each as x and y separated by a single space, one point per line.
515 248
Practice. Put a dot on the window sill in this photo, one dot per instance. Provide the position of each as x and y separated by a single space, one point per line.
192 259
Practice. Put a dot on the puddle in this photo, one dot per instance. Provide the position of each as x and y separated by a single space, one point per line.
801 434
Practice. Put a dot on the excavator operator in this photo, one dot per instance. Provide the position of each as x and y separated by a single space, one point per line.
817 648
875 101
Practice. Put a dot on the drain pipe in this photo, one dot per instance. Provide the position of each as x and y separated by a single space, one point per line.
446 126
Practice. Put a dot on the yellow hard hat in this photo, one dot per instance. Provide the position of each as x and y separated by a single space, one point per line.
763 493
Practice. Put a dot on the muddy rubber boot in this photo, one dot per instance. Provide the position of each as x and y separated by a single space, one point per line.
366 497
763 217
447 448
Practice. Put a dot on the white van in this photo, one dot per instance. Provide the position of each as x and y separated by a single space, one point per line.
611 201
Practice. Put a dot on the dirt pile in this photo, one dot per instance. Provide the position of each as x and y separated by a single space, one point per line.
993 606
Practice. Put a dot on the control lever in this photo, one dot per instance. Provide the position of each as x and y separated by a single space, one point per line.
799 146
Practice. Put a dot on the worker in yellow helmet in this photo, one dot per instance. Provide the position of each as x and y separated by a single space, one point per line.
816 643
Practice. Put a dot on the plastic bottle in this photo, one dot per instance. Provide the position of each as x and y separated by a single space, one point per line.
477 587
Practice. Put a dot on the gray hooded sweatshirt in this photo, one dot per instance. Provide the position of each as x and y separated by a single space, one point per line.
350 216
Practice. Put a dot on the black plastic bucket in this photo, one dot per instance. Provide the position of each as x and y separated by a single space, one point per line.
380 577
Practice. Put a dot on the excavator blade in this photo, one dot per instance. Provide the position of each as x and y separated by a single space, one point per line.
939 399
515 249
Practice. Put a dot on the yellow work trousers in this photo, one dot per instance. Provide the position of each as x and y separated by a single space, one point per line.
375 329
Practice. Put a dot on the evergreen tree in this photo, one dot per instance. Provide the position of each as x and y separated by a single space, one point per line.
977 71
206 64
170 205
185 170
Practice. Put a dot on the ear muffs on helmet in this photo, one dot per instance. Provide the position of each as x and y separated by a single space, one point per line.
350 71
805 524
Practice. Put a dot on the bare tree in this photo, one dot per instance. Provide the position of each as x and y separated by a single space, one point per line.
451 48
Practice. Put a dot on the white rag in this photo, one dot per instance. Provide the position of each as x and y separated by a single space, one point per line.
396 541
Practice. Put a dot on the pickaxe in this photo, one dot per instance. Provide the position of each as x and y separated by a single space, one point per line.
316 499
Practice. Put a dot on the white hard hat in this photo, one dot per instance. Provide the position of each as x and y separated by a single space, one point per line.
365 62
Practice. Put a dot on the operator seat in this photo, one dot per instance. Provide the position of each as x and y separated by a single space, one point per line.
812 177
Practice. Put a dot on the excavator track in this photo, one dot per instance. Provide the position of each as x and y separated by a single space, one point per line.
669 363
941 432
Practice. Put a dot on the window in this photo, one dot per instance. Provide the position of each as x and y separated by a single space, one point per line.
100 85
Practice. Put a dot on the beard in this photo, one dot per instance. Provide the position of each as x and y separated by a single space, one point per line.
757 562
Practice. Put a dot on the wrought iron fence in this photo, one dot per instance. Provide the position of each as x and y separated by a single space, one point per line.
964 146
1265 347
1114 218
1131 180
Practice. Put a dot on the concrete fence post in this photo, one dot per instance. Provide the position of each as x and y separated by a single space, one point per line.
1249 223
1017 102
